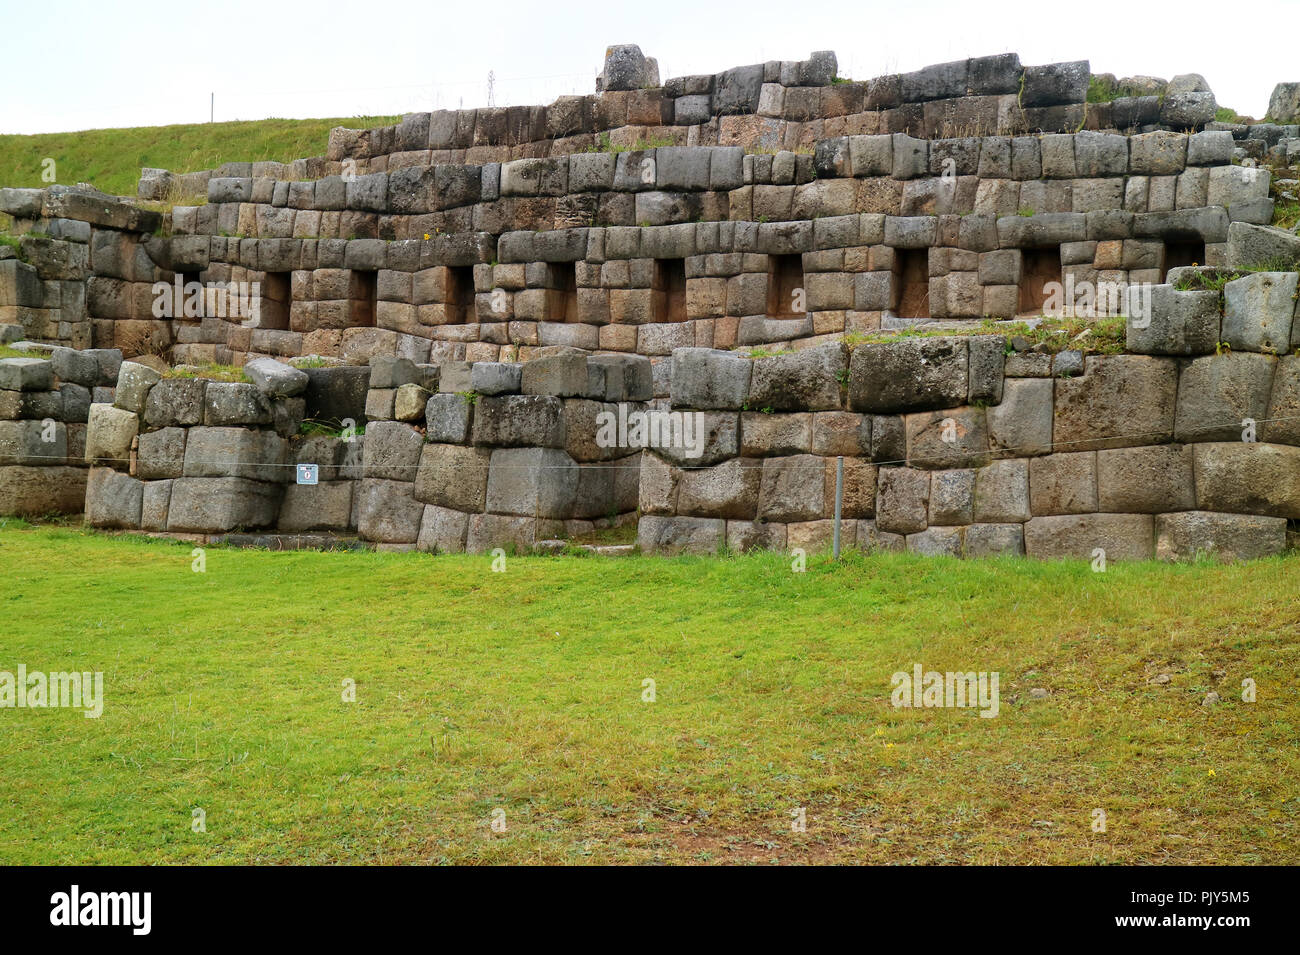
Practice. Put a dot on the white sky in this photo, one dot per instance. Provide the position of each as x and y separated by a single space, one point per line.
80 65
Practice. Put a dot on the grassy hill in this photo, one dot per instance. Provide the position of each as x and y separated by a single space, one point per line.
111 159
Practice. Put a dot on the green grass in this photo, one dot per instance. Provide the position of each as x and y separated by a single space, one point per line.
111 159
1106 336
522 691
1286 214
213 371
604 144
1103 89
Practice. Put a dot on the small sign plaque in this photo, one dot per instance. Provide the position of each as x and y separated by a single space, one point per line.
308 473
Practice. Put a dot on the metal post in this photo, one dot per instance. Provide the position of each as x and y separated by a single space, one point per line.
839 501
212 107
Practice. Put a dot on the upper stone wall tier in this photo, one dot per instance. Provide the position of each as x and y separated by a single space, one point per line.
890 174
764 106
770 104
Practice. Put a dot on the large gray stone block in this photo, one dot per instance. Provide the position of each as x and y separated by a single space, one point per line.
453 476
1257 311
26 374
324 451
387 511
955 438
1284 103
38 491
987 361
1232 186
619 378
793 489
1001 493
708 379
388 371
952 497
154 505
326 506
1219 396
33 443
1099 154
237 452
729 489
1246 478
1055 84
1145 480
71 365
903 500
1192 535
276 379
936 542
697 438
392 451
1120 401
109 433
1250 246
113 499
531 420
1064 483
657 534
767 435
562 375
495 378
448 417
1283 421
1188 110
442 530
210 505
175 402
133 383
915 374
1021 425
1178 323
1116 536
532 482
488 532
230 403
1159 153
161 454
995 540
806 380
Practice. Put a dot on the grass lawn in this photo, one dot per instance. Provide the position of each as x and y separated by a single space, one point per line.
522 691
111 159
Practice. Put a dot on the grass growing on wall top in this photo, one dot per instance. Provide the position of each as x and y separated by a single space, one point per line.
111 159
522 691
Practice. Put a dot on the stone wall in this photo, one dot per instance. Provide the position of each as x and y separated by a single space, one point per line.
45 400
478 289
974 445
482 456
966 446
